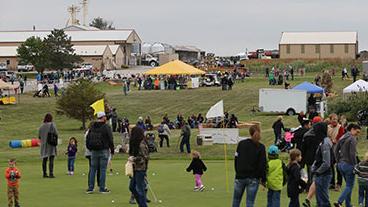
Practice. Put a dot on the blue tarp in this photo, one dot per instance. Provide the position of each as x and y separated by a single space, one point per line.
309 87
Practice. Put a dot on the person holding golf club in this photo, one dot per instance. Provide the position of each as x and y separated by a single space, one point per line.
139 155
185 137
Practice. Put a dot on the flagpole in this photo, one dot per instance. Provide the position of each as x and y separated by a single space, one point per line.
225 157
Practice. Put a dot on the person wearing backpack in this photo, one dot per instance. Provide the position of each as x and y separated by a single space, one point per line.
99 142
164 133
346 160
48 149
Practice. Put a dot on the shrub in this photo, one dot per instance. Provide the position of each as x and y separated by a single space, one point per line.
349 105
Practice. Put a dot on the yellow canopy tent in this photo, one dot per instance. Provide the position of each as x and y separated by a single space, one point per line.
6 86
175 67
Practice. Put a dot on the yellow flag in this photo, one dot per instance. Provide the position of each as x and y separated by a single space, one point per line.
98 106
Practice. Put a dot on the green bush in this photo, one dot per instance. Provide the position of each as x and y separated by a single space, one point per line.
349 105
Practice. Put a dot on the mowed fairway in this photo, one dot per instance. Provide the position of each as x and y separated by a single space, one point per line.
171 183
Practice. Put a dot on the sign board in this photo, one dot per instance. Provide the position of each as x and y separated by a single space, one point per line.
221 136
194 83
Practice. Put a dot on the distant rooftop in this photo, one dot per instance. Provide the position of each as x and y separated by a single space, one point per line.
319 38
77 36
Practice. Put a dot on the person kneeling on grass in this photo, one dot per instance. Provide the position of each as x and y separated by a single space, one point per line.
12 175
197 166
276 176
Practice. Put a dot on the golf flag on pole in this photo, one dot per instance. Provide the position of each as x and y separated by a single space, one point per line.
98 106
216 110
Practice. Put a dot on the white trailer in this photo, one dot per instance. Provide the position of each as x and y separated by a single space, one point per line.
287 101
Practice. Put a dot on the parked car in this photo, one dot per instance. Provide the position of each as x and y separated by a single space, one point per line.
211 80
24 68
86 66
7 75
3 67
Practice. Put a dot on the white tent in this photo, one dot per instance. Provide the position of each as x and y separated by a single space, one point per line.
357 86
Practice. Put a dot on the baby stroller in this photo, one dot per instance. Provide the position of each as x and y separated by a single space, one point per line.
285 144
151 142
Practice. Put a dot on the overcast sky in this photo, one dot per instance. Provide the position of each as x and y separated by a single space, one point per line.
225 27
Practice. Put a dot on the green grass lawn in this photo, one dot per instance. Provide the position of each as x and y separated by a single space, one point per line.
168 179
172 184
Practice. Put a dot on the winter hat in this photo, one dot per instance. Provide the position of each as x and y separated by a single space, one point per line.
273 150
316 119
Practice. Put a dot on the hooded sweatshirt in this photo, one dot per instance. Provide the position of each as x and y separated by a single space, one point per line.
311 141
106 132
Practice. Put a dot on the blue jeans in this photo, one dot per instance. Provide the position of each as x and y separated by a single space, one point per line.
294 201
71 161
248 184
322 185
347 172
99 160
185 141
273 198
363 193
138 186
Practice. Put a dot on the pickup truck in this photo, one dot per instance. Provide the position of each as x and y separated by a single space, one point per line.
24 68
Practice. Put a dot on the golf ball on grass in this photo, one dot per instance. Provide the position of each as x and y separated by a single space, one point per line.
153 174
212 189
160 201
117 173
112 201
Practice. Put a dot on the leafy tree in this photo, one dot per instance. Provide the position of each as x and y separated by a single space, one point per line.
76 100
349 105
60 52
102 24
32 51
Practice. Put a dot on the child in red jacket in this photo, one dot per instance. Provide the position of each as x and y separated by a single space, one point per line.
12 175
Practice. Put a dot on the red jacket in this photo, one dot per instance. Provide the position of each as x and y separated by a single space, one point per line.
13 181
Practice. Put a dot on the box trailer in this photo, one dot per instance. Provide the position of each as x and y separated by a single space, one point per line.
282 101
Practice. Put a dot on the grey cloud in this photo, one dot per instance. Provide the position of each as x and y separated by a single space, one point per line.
225 27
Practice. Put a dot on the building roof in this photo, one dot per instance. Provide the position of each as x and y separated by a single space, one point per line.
79 28
319 38
77 36
187 48
90 50
114 48
81 50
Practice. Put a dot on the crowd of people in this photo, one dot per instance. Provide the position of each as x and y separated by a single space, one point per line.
278 76
327 148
